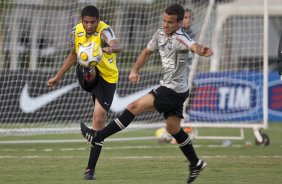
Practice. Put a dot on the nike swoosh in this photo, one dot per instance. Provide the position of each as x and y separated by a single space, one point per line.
31 104
120 103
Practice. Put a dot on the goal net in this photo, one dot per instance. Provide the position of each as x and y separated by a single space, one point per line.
34 41
230 90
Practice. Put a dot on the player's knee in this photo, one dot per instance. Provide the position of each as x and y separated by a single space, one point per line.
133 108
172 130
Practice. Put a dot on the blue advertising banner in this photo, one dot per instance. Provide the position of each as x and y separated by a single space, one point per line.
274 97
227 96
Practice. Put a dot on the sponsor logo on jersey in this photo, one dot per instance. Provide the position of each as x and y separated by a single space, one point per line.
111 60
80 34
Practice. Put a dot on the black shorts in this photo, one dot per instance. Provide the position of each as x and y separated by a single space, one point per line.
169 102
100 89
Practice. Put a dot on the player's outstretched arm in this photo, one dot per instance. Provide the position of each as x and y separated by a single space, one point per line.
69 62
114 47
141 60
202 50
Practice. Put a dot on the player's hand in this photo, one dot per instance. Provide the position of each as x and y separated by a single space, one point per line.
107 50
52 82
134 77
207 52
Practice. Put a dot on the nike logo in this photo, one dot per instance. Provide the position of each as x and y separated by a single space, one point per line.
120 103
31 104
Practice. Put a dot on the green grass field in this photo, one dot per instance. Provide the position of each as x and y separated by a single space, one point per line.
141 161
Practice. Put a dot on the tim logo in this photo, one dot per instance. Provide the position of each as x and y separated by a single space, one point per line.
224 98
275 97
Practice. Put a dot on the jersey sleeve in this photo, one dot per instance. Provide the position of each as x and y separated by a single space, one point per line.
72 39
107 35
153 43
185 41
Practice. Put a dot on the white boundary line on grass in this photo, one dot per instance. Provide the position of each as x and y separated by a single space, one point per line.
107 140
74 140
143 157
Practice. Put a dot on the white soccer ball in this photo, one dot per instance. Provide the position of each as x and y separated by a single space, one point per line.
89 54
162 135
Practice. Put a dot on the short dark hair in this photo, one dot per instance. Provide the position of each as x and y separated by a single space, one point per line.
90 11
175 9
188 10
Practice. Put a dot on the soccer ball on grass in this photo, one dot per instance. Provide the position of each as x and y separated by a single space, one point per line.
162 135
89 54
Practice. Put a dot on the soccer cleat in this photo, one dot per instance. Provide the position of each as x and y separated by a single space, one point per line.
88 134
195 171
89 174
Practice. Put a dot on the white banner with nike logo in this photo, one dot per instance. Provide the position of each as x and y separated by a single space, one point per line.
30 104
30 100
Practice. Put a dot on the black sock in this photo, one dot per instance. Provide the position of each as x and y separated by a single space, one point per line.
117 125
94 155
186 147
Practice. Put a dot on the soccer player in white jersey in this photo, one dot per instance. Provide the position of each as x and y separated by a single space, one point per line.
174 46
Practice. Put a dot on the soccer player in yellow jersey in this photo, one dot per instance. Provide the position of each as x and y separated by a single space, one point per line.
103 85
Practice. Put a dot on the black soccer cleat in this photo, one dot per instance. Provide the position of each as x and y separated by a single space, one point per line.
88 134
89 174
195 171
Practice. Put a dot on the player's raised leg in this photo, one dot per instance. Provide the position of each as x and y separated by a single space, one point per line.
143 104
94 137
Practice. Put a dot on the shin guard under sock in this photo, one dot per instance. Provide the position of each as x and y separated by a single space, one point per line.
186 146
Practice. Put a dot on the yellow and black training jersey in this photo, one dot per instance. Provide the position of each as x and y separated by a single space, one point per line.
107 67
